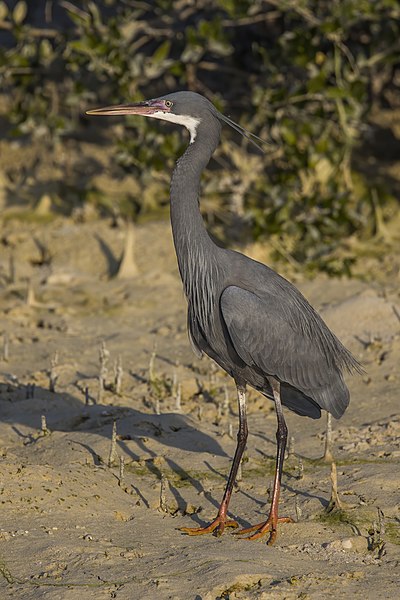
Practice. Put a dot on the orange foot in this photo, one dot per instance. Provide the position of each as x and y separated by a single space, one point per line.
262 528
218 525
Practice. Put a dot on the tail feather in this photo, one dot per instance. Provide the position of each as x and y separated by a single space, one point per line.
334 399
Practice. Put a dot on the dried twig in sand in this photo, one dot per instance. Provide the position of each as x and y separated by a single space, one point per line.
121 470
334 502
11 269
297 508
152 373
6 347
30 295
128 267
328 455
225 403
31 299
163 491
118 374
375 540
113 446
104 355
177 392
290 451
178 397
300 469
53 375
44 430
218 416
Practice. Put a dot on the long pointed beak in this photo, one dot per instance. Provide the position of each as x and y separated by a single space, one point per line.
147 108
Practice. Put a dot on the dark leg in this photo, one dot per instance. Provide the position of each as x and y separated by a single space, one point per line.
220 521
270 525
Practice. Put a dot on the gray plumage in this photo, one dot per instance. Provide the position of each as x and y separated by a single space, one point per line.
255 324
249 319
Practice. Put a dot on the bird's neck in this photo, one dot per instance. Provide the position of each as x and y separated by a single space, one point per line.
194 248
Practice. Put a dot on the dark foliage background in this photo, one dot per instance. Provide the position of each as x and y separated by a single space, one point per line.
305 74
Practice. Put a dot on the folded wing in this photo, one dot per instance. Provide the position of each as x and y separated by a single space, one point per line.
282 336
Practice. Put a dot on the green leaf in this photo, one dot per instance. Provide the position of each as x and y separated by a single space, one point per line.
95 12
3 11
336 92
289 136
162 52
317 83
19 12
46 49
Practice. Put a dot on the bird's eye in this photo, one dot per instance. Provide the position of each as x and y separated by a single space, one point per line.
168 103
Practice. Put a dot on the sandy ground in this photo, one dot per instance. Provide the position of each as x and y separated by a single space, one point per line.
71 528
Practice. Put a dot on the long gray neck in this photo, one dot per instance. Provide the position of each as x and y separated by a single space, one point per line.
193 245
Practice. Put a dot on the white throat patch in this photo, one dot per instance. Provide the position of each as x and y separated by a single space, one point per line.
191 123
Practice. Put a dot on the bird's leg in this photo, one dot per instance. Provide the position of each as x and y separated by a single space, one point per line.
270 525
220 522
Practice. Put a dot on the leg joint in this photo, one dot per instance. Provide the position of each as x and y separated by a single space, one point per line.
242 433
282 432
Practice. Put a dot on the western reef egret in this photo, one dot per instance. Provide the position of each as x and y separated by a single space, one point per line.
251 321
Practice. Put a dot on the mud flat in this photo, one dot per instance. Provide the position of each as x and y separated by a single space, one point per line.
82 518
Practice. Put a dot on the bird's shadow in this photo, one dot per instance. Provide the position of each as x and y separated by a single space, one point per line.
67 413
136 429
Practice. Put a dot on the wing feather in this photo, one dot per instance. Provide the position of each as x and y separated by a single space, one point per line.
274 336
194 333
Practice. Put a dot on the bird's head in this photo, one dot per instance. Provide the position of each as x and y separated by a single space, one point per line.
184 108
